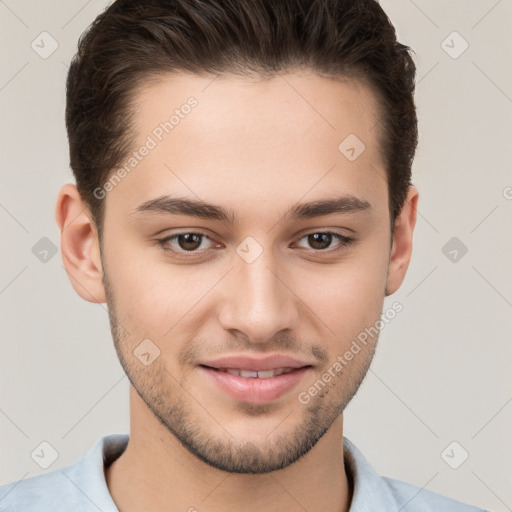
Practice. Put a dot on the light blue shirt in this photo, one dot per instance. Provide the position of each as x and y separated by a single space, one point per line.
81 486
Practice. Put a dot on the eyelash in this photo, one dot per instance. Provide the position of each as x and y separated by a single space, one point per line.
344 242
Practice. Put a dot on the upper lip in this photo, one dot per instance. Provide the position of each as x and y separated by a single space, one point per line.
270 362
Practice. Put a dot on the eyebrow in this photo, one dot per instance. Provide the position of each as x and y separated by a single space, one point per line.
183 206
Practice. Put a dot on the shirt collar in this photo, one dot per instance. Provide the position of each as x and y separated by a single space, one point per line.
88 473
370 492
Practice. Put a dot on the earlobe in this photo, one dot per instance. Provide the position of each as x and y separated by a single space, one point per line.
79 244
401 249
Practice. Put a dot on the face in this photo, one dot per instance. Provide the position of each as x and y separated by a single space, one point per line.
255 273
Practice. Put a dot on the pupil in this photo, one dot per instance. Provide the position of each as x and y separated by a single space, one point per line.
322 237
190 243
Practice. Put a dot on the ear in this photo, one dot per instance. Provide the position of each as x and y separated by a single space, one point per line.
79 244
401 248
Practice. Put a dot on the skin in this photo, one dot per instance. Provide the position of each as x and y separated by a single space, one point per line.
257 147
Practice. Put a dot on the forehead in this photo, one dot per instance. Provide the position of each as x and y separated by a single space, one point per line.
251 141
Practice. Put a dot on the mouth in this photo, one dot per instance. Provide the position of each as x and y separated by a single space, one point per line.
255 386
256 374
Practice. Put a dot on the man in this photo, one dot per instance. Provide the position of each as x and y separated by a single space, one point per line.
243 205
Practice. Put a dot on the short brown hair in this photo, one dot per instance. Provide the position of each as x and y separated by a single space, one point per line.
134 40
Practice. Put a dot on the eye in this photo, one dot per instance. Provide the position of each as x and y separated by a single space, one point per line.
320 241
190 244
187 242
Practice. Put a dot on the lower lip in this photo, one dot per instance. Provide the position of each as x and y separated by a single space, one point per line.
254 389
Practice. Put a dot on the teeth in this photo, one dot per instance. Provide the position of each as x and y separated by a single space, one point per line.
263 374
248 373
231 371
269 373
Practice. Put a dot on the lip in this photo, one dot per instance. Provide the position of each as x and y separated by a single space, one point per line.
269 362
255 390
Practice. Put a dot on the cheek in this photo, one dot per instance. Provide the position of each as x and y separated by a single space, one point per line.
355 279
143 290
156 298
347 297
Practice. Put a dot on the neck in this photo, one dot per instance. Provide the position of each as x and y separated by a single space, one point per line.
157 473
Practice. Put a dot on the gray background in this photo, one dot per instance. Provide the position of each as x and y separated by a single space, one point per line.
442 369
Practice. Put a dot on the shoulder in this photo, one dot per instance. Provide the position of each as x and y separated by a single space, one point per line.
79 486
375 493
40 492
412 498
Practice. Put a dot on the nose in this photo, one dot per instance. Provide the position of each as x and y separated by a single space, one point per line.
258 301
